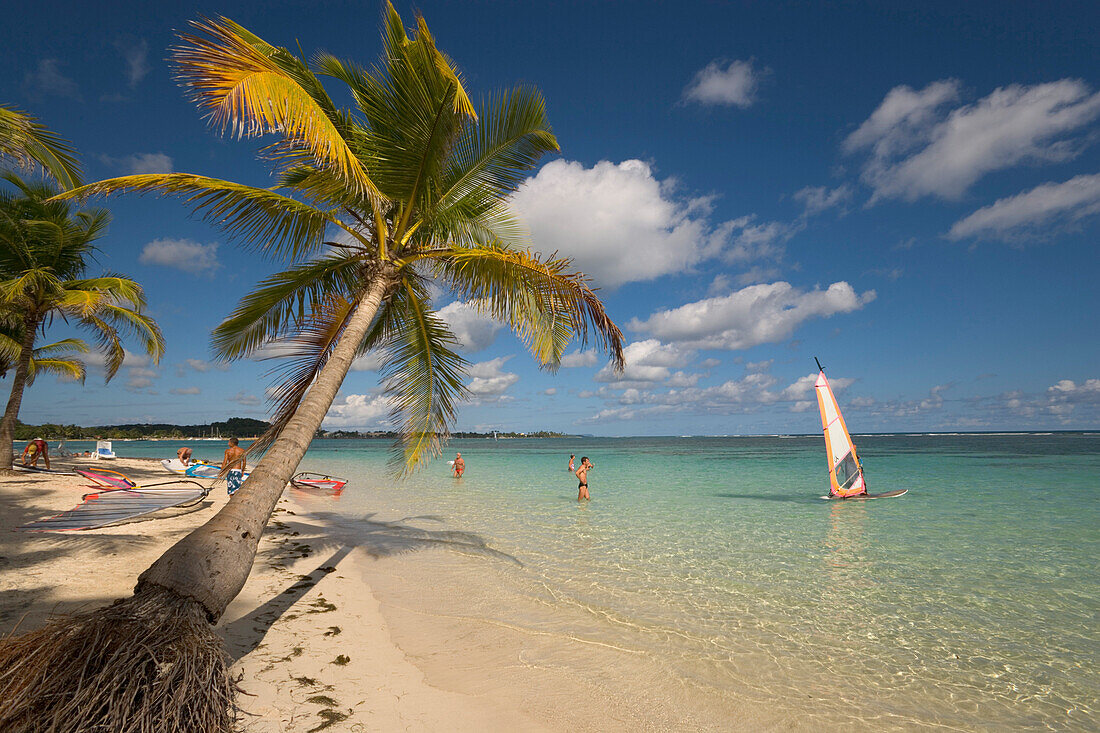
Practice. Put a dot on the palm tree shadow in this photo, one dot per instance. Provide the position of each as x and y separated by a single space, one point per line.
381 539
245 634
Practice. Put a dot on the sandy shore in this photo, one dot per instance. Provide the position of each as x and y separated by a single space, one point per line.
307 635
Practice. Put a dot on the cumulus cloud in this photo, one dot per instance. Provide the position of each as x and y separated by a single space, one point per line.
917 148
473 330
489 379
749 239
550 391
140 163
646 361
754 315
580 359
621 225
372 361
1022 215
731 84
182 254
185 391
816 199
359 410
750 393
46 79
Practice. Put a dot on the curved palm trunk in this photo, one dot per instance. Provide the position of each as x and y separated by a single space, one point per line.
211 564
19 382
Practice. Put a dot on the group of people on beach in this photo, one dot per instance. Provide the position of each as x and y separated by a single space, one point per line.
233 463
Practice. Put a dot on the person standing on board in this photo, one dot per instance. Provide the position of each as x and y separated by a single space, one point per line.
571 467
184 454
234 462
460 466
582 479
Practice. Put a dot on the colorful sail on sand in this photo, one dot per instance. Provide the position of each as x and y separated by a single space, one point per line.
846 479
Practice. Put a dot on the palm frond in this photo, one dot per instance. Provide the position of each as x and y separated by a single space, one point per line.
539 298
29 143
284 301
253 88
302 360
423 375
64 367
257 217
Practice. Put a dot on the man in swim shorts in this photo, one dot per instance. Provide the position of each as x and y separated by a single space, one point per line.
582 479
460 466
234 461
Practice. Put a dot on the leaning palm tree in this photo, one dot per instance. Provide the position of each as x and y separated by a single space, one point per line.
45 250
26 141
372 205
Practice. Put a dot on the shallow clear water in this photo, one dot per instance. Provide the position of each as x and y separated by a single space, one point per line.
971 602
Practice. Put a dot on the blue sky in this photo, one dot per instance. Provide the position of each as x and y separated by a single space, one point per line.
909 191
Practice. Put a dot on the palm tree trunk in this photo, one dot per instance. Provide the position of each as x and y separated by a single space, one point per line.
211 564
19 382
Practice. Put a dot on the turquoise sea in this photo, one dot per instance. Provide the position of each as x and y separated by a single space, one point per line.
972 602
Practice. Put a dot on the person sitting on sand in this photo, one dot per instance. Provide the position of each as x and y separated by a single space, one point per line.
460 466
184 454
582 479
235 462
36 449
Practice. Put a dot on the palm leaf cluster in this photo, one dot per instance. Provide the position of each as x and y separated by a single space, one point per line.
28 143
407 187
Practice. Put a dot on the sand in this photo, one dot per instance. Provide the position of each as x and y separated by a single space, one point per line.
307 636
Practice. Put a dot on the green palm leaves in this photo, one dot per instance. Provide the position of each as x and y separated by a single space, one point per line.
407 187
29 143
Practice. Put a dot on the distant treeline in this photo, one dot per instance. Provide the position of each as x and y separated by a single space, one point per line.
240 427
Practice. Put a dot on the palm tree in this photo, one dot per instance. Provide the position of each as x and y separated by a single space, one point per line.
27 142
372 205
44 252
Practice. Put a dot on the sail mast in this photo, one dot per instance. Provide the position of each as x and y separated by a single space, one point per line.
845 472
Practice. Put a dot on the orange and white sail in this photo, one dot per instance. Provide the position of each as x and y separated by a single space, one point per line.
845 471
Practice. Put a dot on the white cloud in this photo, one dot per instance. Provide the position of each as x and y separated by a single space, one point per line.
580 359
550 391
489 380
185 390
140 163
816 199
359 410
201 365
137 60
755 315
140 377
732 84
617 221
372 361
96 358
750 240
474 330
646 361
182 254
1019 216
917 150
243 398
750 393
46 79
